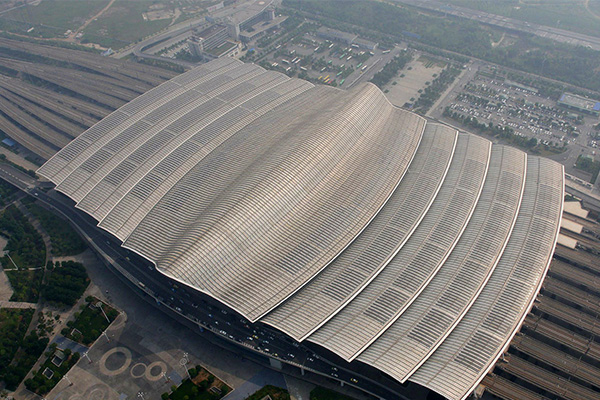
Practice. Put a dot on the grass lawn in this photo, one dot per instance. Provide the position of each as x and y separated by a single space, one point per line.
6 192
30 349
65 283
52 18
202 386
90 322
26 284
588 165
13 325
25 244
122 24
40 384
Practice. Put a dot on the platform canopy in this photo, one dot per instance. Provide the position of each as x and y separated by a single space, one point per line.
330 215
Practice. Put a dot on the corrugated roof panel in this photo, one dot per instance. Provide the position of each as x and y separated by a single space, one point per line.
410 340
318 301
464 358
371 312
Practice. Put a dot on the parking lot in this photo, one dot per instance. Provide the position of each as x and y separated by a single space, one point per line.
563 134
326 61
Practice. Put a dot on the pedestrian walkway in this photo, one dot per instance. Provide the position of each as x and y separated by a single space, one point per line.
17 304
64 343
6 290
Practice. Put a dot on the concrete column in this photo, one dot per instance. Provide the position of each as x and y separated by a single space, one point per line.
275 363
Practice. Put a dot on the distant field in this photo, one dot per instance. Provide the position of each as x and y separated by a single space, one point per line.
51 17
565 14
123 23
594 7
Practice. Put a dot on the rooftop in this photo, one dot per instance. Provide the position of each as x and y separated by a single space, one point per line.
580 102
331 215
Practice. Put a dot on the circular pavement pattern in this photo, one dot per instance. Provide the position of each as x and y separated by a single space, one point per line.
109 365
156 370
97 394
138 370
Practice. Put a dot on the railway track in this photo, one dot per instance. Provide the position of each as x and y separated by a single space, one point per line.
72 108
569 315
50 95
144 74
586 300
574 274
507 390
579 257
547 380
558 359
95 90
25 139
582 344
28 123
69 129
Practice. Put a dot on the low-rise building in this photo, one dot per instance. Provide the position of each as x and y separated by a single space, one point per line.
580 104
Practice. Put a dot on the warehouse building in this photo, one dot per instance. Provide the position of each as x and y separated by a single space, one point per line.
580 104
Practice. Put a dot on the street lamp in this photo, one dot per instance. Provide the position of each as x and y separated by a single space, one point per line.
87 356
99 305
183 363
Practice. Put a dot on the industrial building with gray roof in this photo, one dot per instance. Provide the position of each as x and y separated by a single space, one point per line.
330 215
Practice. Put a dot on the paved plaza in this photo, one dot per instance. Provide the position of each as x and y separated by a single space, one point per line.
144 353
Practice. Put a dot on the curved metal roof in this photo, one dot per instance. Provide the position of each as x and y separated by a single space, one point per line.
409 272
464 358
330 215
410 340
369 254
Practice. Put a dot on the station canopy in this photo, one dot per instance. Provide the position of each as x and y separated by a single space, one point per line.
330 215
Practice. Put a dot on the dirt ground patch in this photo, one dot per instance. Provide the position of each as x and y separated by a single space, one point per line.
416 74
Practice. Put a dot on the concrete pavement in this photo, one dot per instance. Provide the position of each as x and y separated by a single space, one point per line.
17 304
